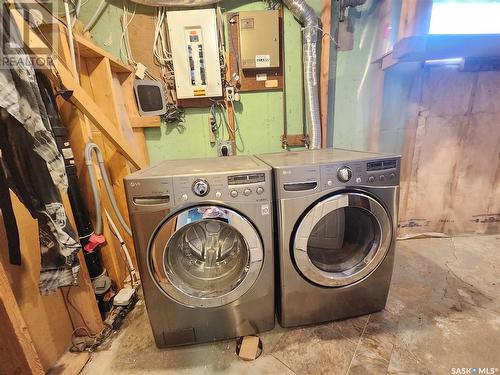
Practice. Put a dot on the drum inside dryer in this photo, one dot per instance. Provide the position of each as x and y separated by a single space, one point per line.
343 239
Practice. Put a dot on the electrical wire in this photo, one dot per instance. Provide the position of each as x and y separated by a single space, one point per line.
222 44
128 262
161 52
233 49
68 300
95 16
323 33
125 50
237 130
216 104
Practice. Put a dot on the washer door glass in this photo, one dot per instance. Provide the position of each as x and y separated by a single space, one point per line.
206 256
342 239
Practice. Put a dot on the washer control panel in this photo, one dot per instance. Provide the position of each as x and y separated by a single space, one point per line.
250 187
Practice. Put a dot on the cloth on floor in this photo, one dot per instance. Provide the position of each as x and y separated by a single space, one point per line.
32 164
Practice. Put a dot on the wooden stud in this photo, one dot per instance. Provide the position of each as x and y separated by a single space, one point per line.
126 81
80 299
80 98
81 134
17 353
294 140
145 122
326 18
415 18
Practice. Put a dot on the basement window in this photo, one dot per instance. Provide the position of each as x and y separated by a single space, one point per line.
465 17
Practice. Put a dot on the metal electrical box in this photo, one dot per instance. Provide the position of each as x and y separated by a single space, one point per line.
195 53
259 39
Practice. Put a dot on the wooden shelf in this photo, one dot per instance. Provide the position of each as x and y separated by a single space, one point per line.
440 47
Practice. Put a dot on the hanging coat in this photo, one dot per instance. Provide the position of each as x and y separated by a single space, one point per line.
32 166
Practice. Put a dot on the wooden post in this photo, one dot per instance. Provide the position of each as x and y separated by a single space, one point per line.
17 353
415 18
326 19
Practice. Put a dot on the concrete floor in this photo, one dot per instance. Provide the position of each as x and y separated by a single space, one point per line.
443 314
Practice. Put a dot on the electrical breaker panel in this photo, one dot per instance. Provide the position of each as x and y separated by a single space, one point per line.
195 53
259 39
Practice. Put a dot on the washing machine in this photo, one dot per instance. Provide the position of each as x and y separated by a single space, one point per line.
203 234
336 223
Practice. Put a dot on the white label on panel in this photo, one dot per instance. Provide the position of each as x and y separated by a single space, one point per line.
262 61
261 77
264 209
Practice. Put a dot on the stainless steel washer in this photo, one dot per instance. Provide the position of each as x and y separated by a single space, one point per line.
203 232
337 217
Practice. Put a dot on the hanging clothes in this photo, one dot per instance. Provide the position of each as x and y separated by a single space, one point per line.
33 166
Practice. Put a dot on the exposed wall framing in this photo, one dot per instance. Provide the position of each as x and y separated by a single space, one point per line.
37 330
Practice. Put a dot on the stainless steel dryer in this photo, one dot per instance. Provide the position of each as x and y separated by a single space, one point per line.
203 231
337 216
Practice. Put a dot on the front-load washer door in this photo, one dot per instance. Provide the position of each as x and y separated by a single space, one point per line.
342 239
205 256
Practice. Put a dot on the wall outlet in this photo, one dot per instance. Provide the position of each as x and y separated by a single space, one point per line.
230 93
225 148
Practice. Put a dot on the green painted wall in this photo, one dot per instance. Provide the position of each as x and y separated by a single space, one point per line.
260 116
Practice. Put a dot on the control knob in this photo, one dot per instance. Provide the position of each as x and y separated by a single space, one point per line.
344 174
247 192
234 193
259 190
201 188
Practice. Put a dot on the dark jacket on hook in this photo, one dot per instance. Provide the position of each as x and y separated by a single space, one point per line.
32 166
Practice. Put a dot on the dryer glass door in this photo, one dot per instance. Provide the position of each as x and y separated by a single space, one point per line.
342 239
205 256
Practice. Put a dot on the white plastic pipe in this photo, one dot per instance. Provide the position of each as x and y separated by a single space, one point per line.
71 41
123 245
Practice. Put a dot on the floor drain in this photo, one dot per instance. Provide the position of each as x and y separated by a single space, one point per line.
239 342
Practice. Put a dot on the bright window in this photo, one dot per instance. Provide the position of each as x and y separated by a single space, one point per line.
465 17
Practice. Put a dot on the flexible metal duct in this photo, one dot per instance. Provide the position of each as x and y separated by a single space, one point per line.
176 3
310 22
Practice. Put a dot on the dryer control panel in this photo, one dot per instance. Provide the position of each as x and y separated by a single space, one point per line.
384 172
296 181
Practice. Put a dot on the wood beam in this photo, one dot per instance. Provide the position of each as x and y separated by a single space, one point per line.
326 20
17 353
80 98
